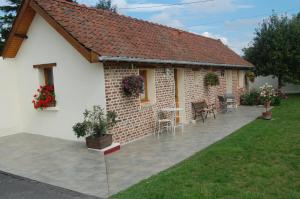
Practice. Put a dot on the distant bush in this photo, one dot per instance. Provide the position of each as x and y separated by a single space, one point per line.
253 98
276 101
250 99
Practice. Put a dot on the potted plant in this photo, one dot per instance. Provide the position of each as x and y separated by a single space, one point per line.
267 93
211 79
133 85
94 127
44 98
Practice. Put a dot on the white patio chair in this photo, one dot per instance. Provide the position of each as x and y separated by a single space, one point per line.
161 122
231 102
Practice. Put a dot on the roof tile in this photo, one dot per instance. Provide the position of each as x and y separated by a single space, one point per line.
111 34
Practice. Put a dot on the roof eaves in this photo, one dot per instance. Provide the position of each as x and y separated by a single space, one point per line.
173 62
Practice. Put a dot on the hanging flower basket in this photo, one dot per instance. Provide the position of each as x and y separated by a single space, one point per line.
133 85
250 75
211 79
44 98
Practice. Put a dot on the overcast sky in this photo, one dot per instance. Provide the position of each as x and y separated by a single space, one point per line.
232 21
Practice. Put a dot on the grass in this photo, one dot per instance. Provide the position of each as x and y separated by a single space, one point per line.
260 160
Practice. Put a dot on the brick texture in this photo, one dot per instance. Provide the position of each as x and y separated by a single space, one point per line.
136 119
195 90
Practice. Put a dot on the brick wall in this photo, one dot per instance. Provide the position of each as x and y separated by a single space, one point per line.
137 120
195 90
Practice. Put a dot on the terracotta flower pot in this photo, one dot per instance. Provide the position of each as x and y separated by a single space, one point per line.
98 142
267 115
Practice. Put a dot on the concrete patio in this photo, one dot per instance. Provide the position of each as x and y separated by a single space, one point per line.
70 165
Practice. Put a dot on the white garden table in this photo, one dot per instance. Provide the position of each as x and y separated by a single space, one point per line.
173 112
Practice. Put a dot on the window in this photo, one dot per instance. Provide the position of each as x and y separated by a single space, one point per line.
144 95
148 96
46 76
46 73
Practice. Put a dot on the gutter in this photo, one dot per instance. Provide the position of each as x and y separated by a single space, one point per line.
173 62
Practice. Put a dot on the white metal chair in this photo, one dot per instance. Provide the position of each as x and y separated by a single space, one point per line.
161 122
231 102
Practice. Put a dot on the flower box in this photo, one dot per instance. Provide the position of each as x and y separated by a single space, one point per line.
101 142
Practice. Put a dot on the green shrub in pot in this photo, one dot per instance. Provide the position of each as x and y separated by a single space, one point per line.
95 123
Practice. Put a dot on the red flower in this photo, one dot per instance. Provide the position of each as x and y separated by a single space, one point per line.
45 97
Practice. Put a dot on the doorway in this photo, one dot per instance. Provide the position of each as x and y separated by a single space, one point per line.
179 93
228 76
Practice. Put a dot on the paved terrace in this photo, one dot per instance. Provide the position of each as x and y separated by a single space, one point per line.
70 165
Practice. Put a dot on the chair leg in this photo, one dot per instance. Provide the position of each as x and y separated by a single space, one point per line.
155 127
158 132
203 118
174 128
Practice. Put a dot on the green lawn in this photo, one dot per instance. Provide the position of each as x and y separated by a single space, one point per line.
261 160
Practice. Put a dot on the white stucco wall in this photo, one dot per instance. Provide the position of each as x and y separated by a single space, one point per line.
9 105
288 88
78 84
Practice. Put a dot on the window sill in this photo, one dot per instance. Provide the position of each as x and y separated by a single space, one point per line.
50 109
146 104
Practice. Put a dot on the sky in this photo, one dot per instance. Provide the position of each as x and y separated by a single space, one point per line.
232 21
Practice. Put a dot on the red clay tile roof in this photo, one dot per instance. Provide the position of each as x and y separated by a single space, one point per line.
114 35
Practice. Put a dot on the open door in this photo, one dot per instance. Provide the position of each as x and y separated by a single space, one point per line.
179 94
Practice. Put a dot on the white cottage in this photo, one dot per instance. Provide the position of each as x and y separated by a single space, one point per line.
85 53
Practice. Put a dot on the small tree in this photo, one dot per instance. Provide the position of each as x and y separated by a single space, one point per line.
95 123
106 5
275 49
7 15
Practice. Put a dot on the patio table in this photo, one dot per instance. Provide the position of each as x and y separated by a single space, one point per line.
173 112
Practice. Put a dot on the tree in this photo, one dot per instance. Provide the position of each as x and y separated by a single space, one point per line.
7 15
294 59
106 5
275 49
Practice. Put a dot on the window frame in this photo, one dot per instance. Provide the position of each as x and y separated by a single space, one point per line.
44 71
144 73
